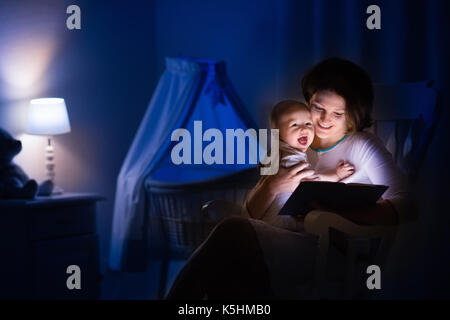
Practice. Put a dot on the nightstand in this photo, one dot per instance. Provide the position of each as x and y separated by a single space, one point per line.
40 239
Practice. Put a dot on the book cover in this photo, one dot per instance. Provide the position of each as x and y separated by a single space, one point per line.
333 195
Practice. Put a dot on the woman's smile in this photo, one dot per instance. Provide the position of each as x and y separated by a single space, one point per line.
323 126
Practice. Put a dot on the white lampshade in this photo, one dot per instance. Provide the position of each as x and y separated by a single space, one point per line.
48 116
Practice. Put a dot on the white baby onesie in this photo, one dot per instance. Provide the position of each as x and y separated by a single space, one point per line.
293 156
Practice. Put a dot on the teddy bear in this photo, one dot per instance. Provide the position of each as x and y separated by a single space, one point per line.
14 183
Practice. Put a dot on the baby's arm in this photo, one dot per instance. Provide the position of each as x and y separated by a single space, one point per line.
343 170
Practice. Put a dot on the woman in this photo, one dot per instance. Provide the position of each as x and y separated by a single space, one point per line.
248 258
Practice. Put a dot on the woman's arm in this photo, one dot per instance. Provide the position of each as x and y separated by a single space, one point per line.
264 193
259 199
381 169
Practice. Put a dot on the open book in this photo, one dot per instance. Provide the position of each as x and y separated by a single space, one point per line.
333 195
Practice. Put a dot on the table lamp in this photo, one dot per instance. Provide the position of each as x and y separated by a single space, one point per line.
48 117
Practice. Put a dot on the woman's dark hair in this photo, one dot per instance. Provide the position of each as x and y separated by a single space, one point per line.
349 81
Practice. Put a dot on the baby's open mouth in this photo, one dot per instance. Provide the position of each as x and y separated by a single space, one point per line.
303 140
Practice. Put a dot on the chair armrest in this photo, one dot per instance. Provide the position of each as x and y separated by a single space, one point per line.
318 223
220 209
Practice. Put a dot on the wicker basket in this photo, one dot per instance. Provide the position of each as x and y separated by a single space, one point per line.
174 210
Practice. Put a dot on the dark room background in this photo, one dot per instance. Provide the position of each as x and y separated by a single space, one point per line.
107 72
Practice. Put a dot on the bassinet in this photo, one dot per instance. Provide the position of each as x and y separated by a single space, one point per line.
190 91
175 220
174 209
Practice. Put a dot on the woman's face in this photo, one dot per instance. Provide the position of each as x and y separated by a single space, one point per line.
328 115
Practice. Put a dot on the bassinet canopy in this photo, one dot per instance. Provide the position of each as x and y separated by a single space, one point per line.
189 90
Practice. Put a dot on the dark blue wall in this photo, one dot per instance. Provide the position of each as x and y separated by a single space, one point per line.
113 74
106 72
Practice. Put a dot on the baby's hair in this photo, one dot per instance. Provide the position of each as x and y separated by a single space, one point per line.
280 108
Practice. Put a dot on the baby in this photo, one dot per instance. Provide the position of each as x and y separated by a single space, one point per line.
296 130
293 119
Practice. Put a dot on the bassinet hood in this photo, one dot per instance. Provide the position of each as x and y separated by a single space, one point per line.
214 103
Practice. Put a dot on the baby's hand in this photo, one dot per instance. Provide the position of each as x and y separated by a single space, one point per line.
344 170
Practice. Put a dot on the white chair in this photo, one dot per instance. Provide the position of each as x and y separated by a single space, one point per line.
406 117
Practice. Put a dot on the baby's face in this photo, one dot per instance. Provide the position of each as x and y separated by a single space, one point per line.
296 127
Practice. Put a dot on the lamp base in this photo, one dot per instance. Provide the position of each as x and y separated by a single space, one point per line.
57 191
50 189
47 188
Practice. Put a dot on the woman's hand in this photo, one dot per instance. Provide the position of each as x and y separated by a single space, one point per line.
264 193
286 180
